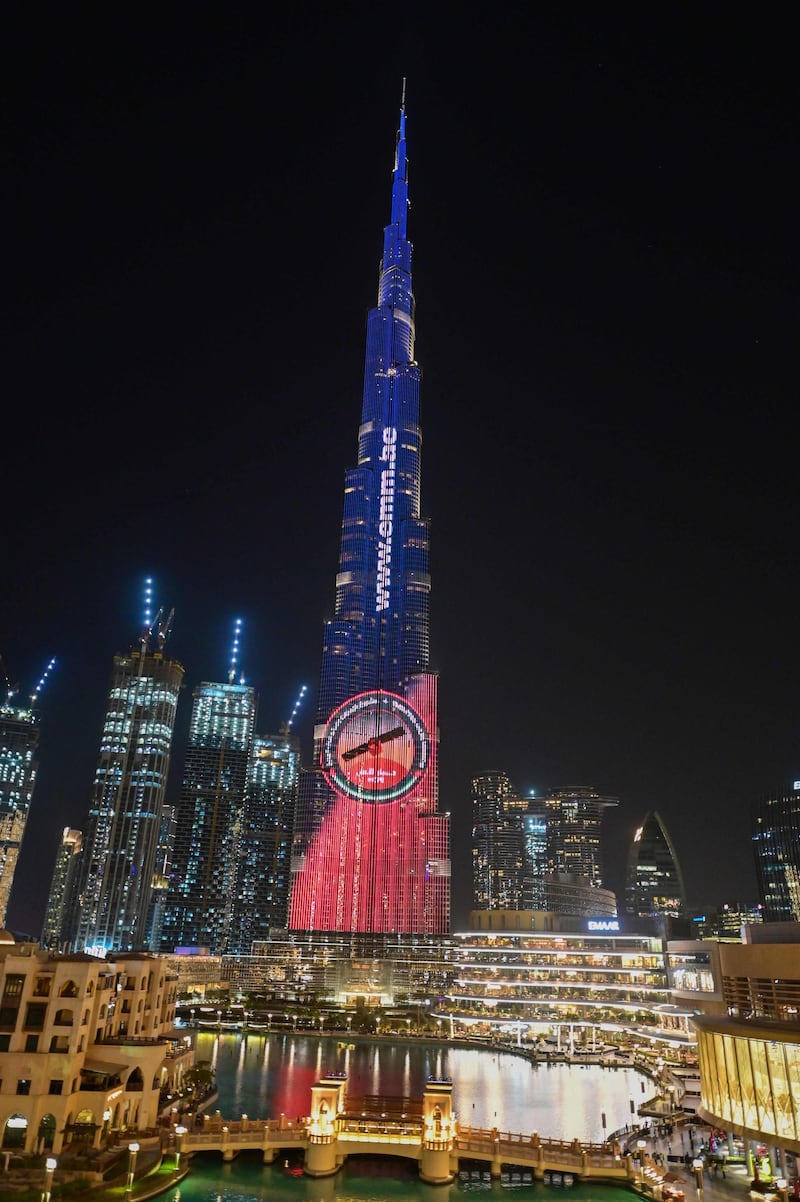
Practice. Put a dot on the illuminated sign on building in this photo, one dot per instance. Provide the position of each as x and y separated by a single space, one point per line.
370 864
375 747
383 577
602 924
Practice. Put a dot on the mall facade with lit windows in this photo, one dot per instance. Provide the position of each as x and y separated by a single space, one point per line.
746 998
517 970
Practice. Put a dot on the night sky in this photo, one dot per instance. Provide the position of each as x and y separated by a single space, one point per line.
603 214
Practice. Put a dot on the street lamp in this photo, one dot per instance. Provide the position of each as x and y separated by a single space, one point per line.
269 1023
132 1151
641 1144
179 1134
408 1026
50 1168
697 1169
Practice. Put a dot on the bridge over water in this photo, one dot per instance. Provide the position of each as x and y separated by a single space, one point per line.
424 1130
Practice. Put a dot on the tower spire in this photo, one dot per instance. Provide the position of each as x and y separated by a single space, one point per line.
400 174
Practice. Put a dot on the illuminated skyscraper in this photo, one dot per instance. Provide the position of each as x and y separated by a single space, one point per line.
776 847
19 745
574 832
654 881
118 857
62 889
201 897
262 892
498 843
371 850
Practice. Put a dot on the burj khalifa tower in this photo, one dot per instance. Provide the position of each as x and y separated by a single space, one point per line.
371 849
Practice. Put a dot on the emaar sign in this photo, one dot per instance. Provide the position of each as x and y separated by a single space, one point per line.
602 924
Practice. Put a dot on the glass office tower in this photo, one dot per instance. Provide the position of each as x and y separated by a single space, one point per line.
371 850
654 882
120 839
776 847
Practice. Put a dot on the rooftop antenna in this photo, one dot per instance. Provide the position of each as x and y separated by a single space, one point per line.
403 96
237 630
287 726
36 692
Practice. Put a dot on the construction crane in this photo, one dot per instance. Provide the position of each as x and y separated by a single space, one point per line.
37 691
159 626
287 726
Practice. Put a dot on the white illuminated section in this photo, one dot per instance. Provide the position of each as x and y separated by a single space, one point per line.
237 630
148 602
41 684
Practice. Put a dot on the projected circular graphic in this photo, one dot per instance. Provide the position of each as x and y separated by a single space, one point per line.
375 747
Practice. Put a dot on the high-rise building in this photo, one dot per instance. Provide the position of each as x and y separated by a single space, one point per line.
199 909
19 745
776 847
118 857
654 881
371 849
574 817
534 834
61 898
498 843
261 906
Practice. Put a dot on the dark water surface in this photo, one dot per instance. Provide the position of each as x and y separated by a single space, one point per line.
263 1077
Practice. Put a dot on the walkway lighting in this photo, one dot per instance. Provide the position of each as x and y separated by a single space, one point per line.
697 1166
50 1167
641 1144
179 1134
132 1152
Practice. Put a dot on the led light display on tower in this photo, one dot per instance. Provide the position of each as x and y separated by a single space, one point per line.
371 850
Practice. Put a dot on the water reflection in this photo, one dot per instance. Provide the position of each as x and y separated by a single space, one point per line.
265 1076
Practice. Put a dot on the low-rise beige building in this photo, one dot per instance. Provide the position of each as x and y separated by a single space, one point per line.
86 1045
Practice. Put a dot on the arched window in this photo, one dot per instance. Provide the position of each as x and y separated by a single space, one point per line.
47 1131
68 989
135 1081
15 1131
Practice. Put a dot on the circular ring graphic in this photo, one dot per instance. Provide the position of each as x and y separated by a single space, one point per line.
375 747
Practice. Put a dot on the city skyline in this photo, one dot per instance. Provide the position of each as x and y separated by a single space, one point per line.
600 225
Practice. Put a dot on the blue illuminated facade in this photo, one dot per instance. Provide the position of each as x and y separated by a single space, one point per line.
379 634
